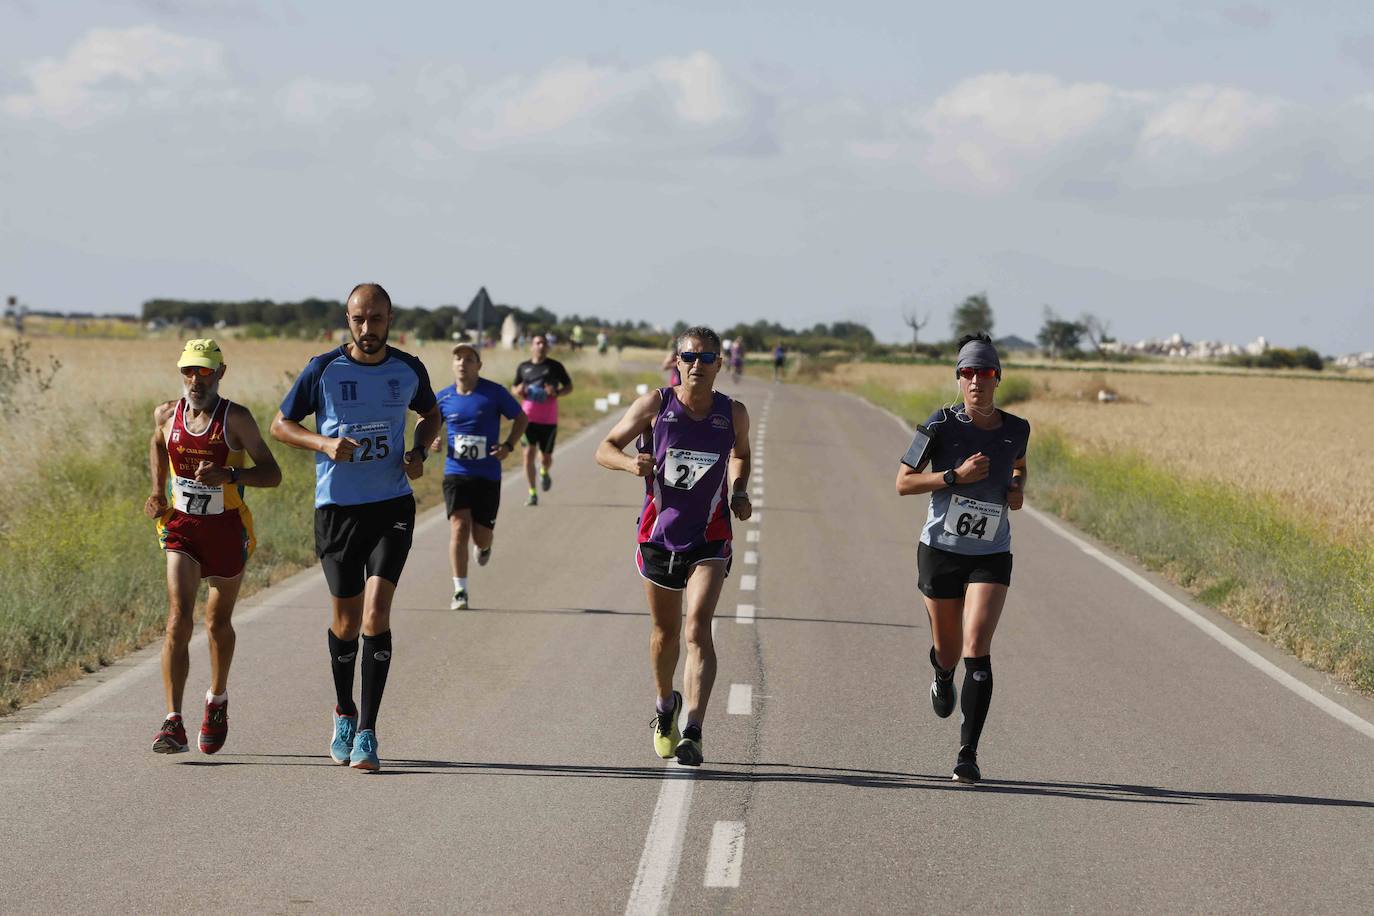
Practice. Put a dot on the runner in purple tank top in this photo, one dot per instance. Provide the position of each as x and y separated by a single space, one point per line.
694 456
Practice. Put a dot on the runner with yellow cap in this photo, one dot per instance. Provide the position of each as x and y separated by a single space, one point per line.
196 459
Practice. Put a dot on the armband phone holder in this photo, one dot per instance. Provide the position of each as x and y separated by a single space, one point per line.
919 450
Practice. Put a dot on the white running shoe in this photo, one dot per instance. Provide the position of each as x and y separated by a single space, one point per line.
481 556
460 600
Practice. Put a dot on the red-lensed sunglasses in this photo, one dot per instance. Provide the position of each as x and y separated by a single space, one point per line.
969 372
202 371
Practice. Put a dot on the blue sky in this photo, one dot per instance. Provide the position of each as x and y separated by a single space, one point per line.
1201 168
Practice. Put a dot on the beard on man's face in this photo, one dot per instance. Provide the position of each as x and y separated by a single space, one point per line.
371 343
201 395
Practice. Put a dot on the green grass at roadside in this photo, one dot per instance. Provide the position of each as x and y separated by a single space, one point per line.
83 580
1240 553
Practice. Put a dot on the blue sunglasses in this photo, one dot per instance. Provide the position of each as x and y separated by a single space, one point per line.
707 357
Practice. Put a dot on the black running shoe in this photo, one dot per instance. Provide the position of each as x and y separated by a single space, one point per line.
943 693
966 766
688 750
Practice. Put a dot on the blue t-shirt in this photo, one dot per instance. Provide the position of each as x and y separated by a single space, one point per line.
971 518
367 403
474 427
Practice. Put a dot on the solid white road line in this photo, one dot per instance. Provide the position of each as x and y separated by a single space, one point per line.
1250 656
744 613
752 536
748 583
751 558
726 858
741 702
653 887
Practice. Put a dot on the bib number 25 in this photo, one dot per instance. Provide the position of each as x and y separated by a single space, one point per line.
372 439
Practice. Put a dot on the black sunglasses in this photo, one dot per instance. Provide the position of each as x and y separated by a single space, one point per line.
707 357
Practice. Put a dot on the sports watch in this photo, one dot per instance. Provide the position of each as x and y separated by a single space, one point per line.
951 477
233 475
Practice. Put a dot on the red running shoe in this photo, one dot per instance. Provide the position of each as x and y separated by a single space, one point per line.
215 728
171 738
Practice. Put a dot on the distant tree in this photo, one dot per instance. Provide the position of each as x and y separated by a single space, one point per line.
1096 330
972 316
915 323
1059 337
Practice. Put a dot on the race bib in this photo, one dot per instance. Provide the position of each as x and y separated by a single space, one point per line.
372 438
469 448
195 498
685 467
973 518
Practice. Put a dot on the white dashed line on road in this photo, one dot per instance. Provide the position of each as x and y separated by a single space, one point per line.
741 702
752 536
726 858
751 558
748 583
744 613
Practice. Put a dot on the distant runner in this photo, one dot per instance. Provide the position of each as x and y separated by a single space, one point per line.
539 383
360 395
737 359
205 528
472 408
977 456
694 456
779 361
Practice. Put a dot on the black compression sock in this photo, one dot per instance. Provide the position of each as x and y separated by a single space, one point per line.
974 702
693 731
376 664
944 673
343 655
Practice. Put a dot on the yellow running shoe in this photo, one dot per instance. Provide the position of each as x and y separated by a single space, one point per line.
666 735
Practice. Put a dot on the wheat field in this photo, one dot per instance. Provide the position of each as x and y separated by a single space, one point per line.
1305 441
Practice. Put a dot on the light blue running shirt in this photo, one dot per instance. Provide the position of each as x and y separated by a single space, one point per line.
971 518
367 403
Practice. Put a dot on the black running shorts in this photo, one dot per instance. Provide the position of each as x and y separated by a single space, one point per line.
542 435
355 543
478 494
941 574
668 569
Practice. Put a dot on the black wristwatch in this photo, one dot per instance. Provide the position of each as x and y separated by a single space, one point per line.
424 453
510 445
951 478
233 475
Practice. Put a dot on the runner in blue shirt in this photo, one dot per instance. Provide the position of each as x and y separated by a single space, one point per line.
472 408
360 395
971 459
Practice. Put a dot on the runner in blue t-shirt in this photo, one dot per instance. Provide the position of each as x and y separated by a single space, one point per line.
361 395
971 459
472 408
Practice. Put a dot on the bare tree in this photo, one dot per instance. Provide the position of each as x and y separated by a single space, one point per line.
1095 329
915 322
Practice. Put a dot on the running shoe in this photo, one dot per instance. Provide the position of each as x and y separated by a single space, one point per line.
365 751
533 499
483 556
966 766
943 693
345 727
688 750
215 728
666 735
460 600
545 480
171 738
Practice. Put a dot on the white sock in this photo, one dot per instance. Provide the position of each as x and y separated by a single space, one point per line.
211 698
460 585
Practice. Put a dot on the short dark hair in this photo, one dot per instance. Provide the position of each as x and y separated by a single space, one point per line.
373 288
981 335
538 334
700 332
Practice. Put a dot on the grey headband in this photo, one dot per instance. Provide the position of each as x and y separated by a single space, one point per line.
980 355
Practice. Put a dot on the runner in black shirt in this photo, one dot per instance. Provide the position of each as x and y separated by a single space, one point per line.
539 383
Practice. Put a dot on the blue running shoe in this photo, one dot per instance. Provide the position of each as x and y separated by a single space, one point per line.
345 727
365 751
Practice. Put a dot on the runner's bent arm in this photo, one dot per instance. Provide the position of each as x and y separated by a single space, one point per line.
156 504
264 472
425 431
517 429
1016 493
741 460
913 482
292 433
565 384
637 420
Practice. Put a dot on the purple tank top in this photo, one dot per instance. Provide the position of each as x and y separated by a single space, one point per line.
685 503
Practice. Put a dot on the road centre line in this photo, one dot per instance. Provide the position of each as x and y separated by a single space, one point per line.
748 583
1248 655
726 856
751 558
741 702
752 535
657 872
744 613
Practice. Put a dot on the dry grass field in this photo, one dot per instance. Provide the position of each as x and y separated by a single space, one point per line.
1303 440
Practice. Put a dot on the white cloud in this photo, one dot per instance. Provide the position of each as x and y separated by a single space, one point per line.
686 103
1213 120
311 101
110 71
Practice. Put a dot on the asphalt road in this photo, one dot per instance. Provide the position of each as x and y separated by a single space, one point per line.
1133 760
